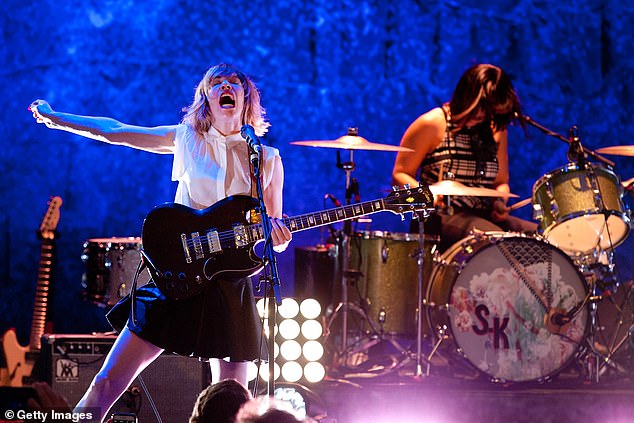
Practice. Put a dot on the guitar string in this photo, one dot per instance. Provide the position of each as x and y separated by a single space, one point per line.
304 222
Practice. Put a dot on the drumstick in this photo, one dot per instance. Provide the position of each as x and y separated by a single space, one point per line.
519 204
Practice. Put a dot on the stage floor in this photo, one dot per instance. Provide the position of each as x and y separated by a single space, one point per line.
401 397
385 389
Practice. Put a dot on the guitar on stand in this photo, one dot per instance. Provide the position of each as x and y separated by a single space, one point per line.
20 360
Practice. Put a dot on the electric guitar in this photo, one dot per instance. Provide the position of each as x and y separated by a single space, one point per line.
20 360
184 249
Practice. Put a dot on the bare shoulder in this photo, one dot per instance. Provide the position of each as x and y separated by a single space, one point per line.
429 126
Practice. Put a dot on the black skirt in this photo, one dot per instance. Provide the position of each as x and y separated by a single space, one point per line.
221 322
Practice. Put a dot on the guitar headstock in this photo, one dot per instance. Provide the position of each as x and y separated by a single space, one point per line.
406 199
51 218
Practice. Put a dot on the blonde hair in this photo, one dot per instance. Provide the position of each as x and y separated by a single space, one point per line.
198 114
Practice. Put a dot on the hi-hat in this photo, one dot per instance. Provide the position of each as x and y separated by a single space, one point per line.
449 187
617 150
351 141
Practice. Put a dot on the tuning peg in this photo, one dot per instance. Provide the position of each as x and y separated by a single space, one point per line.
406 186
395 188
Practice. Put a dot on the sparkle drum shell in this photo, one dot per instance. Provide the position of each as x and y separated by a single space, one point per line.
580 209
388 277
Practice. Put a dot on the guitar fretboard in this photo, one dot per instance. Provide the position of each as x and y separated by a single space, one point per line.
325 217
40 306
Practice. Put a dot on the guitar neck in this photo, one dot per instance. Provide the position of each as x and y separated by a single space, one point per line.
324 217
44 279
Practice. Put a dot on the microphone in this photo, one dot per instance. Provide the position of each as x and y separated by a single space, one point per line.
252 140
332 198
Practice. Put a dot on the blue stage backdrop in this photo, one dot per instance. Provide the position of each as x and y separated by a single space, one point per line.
322 66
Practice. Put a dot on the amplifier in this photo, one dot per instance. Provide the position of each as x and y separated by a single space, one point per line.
69 363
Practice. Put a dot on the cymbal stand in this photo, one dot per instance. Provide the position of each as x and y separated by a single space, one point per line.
345 274
347 167
420 261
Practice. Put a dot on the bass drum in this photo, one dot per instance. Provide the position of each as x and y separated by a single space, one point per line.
514 306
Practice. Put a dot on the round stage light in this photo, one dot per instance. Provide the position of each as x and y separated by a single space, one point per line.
289 329
314 371
311 329
292 371
289 308
313 350
264 371
291 350
310 308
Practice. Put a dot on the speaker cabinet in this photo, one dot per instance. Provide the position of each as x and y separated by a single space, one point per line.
69 363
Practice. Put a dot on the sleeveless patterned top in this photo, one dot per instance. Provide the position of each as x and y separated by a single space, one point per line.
470 157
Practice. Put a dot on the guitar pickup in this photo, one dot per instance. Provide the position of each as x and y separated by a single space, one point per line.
188 256
198 246
213 241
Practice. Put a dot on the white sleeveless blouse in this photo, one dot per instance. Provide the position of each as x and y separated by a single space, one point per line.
214 167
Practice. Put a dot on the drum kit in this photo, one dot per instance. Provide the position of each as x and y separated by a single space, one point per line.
508 306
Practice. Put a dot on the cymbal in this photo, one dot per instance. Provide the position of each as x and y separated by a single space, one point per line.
351 142
617 150
449 187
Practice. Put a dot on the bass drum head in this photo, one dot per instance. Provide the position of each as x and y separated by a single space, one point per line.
497 295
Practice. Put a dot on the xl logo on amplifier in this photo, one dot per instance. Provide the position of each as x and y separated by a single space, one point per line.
66 370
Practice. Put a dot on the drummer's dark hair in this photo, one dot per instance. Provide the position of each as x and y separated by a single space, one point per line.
488 88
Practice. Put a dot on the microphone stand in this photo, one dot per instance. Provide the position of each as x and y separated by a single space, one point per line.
272 278
585 150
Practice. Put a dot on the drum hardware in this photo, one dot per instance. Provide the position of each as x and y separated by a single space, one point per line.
351 141
569 141
606 350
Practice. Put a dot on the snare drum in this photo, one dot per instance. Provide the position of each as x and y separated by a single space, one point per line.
512 306
388 277
110 266
580 209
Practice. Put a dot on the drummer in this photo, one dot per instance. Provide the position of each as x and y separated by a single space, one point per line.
466 140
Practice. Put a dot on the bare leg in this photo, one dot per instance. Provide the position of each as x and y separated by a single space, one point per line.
127 358
221 370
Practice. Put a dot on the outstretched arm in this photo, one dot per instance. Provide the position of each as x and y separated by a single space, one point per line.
158 139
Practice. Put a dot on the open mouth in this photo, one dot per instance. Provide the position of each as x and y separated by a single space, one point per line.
227 101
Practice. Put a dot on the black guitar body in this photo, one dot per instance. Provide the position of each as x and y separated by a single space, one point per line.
178 254
186 248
